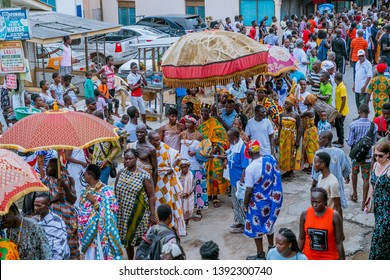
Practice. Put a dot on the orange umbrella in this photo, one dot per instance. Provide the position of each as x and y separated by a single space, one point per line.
17 179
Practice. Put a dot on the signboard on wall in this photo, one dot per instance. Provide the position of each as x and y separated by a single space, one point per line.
11 57
14 25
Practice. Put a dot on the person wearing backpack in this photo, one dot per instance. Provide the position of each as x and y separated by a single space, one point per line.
157 236
361 137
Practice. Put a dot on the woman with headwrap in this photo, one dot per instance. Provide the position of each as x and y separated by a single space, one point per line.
310 139
263 197
289 138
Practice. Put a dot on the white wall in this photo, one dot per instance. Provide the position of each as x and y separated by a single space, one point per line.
221 9
66 7
158 7
110 11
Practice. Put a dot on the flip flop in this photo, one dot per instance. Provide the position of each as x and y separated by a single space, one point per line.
217 203
197 217
353 198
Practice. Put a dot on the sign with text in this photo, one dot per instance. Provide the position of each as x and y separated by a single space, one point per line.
14 25
11 81
11 57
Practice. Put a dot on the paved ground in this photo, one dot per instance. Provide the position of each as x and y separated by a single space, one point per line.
215 223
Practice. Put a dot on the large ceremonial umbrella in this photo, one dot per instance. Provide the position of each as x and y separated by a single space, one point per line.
57 130
212 58
17 179
280 61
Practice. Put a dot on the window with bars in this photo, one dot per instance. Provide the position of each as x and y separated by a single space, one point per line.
127 16
195 7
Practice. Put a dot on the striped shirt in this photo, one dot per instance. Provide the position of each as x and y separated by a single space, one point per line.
48 156
316 79
358 129
356 45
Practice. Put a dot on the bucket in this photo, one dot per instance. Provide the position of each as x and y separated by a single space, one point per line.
21 112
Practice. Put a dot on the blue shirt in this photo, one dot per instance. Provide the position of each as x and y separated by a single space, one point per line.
358 129
323 126
181 92
237 163
228 119
130 129
273 254
271 39
297 75
119 125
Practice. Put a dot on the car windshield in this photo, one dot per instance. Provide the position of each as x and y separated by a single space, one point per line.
194 22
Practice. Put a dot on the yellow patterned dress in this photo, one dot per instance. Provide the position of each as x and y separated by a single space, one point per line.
213 130
379 88
310 140
289 156
195 100
168 189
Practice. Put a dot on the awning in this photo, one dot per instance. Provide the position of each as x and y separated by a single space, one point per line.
51 27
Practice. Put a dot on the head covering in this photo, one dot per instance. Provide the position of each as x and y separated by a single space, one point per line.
90 101
261 88
381 67
252 146
328 65
292 99
184 162
312 98
190 119
361 52
299 41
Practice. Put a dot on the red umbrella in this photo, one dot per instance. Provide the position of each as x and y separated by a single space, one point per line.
17 179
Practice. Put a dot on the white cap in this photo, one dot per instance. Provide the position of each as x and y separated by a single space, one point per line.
361 52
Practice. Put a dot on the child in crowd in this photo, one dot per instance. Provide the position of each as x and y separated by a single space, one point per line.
323 124
68 104
101 104
109 99
188 183
312 58
69 89
122 131
88 86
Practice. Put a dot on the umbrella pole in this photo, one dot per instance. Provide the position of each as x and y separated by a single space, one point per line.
59 164
216 100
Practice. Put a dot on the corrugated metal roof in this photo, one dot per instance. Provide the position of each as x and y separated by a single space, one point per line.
50 27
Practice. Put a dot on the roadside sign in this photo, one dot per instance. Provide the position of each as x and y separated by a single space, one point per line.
14 25
11 81
11 57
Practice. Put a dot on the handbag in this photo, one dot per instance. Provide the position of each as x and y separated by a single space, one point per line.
369 208
113 166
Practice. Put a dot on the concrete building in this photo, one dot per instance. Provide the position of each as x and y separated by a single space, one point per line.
70 7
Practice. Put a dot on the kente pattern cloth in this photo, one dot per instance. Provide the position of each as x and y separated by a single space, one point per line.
99 224
309 141
8 250
33 243
201 196
187 181
55 230
273 110
141 164
289 155
379 88
380 242
168 189
213 130
195 100
171 138
134 212
266 200
66 211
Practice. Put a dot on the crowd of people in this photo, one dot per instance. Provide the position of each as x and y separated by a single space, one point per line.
258 134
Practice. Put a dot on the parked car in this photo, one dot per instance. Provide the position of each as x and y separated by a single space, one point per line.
146 61
119 44
175 25
52 61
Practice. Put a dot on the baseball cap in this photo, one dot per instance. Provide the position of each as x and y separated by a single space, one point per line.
361 52
90 101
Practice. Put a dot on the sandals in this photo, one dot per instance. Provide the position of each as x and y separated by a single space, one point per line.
197 217
353 198
237 230
217 203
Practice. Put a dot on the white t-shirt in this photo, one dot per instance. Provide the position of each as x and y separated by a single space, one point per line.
253 172
331 185
260 131
301 56
363 70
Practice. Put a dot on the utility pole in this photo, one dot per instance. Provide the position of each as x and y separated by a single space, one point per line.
5 4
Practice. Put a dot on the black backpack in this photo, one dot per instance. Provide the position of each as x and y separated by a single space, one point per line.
362 148
150 246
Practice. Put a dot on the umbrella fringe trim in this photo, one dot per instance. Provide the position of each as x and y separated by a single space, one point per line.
216 80
59 147
41 188
281 71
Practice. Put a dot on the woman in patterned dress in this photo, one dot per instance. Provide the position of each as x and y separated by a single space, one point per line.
135 194
99 236
62 199
310 139
380 186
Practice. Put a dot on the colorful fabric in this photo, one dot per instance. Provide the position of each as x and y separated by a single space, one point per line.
289 155
168 188
323 126
213 130
8 250
379 88
365 167
312 98
292 99
188 183
252 146
195 100
31 241
191 119
273 110
111 149
99 225
66 211
172 138
201 196
266 198
134 212
310 140
380 242
55 230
